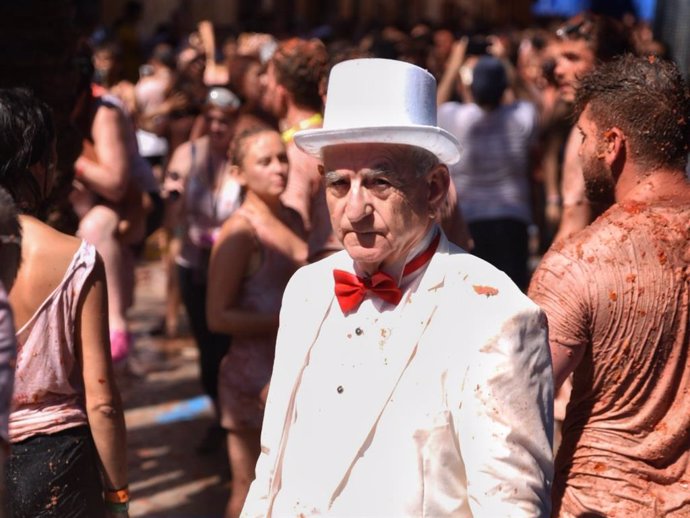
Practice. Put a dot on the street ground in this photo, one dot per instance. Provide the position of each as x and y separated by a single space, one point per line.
167 417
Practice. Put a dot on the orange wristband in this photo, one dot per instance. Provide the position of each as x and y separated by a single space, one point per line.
117 496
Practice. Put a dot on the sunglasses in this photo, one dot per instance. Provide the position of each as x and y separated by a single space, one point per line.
581 29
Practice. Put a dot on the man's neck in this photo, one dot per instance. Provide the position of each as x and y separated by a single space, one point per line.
656 185
294 116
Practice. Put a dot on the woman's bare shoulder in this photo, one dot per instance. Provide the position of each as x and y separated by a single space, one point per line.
237 226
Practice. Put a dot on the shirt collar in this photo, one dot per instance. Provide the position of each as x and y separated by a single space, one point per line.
395 270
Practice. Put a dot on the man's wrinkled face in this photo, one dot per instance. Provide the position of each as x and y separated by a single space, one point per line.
599 180
574 60
379 205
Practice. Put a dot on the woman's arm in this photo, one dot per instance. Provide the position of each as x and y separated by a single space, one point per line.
230 261
214 73
105 168
444 91
102 398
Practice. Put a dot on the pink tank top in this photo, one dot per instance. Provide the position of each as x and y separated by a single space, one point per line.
48 389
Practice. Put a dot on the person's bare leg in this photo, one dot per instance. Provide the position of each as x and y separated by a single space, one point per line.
243 449
173 299
99 227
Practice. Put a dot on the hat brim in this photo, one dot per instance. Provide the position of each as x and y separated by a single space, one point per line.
436 140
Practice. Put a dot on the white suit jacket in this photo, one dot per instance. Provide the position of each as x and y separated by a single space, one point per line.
460 425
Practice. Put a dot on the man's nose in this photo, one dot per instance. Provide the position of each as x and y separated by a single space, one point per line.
358 206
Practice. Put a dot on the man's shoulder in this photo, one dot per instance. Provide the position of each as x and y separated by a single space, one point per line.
484 286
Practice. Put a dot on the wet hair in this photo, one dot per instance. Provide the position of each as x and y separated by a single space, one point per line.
27 135
299 65
10 236
648 100
607 37
238 147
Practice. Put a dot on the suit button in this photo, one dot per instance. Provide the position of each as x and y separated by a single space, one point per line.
340 389
359 331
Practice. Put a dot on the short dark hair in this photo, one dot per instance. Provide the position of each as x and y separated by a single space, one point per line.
648 100
606 36
489 82
299 65
26 138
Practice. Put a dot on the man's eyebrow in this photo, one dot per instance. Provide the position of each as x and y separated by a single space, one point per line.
379 169
331 176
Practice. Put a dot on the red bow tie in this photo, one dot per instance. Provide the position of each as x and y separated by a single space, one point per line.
350 289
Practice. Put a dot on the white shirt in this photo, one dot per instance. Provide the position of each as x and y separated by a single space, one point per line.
348 354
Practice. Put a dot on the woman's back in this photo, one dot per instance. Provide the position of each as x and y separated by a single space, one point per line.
48 393
46 254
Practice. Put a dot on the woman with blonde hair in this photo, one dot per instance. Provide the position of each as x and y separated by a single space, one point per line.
256 253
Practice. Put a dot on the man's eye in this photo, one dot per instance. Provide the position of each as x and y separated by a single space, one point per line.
338 186
380 183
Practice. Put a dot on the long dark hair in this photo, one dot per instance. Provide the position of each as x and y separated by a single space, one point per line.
27 135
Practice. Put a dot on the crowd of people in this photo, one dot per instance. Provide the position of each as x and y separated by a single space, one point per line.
354 229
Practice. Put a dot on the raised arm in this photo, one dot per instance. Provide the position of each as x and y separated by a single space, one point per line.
444 92
214 73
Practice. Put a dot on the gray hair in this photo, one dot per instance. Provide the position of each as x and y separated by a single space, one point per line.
421 160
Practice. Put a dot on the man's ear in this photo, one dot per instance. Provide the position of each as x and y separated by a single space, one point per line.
613 145
438 181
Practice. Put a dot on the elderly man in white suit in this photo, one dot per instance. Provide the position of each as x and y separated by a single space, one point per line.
411 378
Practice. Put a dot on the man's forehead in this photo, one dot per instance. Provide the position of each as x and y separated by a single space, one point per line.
585 119
580 47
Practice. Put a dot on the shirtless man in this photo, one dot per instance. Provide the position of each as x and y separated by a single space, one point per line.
616 297
291 93
583 42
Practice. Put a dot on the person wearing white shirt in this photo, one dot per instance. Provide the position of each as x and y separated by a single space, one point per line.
410 378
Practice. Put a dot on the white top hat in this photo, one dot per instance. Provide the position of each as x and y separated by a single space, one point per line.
380 101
